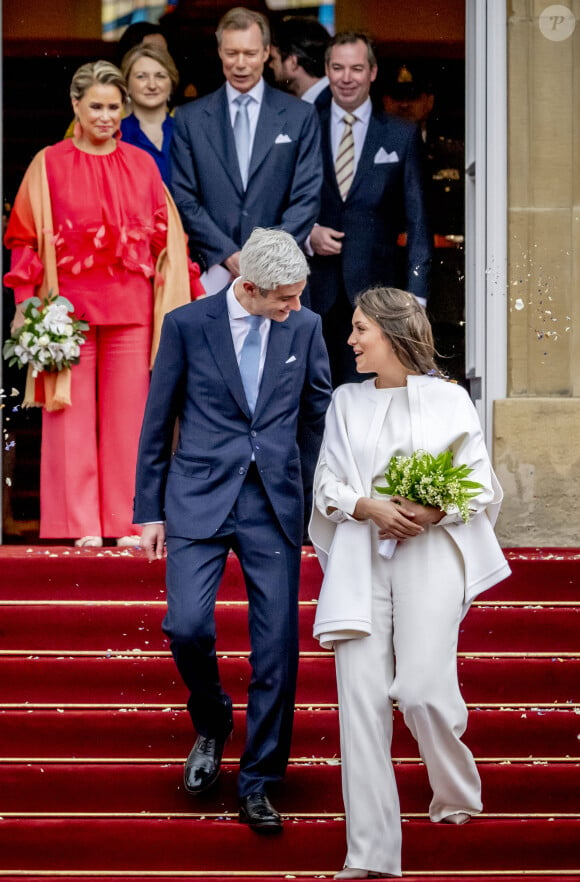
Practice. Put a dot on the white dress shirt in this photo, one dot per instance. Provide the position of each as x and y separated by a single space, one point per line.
314 91
240 328
359 129
257 94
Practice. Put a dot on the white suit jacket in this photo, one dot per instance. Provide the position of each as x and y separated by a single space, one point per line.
442 418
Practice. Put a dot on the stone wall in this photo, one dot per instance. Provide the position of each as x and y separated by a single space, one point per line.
537 431
537 457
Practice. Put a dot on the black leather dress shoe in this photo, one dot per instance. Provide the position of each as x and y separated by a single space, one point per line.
257 811
202 766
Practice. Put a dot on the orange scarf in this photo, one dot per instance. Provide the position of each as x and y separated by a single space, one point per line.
52 390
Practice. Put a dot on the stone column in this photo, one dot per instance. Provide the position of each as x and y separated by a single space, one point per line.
537 429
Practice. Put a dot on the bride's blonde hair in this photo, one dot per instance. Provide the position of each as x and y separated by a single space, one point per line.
404 323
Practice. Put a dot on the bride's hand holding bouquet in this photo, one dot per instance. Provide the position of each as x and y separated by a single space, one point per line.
426 488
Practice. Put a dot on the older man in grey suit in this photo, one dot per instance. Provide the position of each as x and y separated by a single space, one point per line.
244 156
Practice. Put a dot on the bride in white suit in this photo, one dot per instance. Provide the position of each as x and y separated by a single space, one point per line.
394 623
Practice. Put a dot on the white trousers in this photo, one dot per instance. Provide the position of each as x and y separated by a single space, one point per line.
411 658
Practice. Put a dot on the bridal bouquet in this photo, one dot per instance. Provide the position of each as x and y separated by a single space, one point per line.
429 480
50 338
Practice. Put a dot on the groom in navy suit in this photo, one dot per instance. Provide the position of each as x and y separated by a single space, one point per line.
369 196
244 156
245 373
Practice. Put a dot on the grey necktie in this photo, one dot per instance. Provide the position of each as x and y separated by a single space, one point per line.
242 135
250 360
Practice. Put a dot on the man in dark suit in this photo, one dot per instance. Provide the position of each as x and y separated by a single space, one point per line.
372 191
235 482
297 58
244 156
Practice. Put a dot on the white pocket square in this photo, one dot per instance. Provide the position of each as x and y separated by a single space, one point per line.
290 360
283 139
382 156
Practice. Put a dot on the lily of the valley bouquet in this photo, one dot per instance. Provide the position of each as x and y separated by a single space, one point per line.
50 338
429 480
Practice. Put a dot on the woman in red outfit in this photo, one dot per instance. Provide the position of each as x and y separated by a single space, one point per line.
93 222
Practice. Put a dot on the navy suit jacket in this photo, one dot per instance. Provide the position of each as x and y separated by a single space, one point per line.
196 380
323 99
385 199
285 173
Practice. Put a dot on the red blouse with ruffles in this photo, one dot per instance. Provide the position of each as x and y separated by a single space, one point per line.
109 223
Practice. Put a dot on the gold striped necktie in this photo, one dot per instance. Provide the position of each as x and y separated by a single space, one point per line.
344 163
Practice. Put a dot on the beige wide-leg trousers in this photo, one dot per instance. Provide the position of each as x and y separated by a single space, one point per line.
411 658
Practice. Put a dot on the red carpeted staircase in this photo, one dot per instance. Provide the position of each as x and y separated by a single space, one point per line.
93 733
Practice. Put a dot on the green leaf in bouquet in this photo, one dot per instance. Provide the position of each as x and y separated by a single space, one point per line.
47 340
431 480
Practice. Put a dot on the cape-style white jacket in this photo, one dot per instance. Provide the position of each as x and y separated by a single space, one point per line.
442 418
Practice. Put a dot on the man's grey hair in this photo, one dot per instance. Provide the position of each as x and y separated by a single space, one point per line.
271 258
240 19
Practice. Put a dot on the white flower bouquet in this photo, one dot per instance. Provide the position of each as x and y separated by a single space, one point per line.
50 338
429 480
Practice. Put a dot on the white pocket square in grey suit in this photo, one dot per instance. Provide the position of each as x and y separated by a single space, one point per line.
290 360
382 156
283 139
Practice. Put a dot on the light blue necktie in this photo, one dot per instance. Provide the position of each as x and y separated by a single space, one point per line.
250 360
242 135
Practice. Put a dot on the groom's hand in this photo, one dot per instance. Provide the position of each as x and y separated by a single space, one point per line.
153 541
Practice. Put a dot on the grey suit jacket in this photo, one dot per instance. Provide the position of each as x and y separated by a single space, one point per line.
285 173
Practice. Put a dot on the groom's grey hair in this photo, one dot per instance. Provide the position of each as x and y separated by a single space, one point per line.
271 258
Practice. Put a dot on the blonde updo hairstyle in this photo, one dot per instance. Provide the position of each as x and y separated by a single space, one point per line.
97 73
404 323
158 54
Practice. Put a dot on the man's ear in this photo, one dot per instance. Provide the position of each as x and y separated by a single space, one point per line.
250 289
293 59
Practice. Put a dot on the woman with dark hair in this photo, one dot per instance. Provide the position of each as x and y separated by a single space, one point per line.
393 621
151 78
140 32
92 222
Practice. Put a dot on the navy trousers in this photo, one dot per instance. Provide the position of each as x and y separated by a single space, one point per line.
271 568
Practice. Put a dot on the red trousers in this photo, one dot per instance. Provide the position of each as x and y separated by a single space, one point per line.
89 450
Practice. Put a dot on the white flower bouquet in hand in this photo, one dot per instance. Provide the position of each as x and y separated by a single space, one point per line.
429 480
50 338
